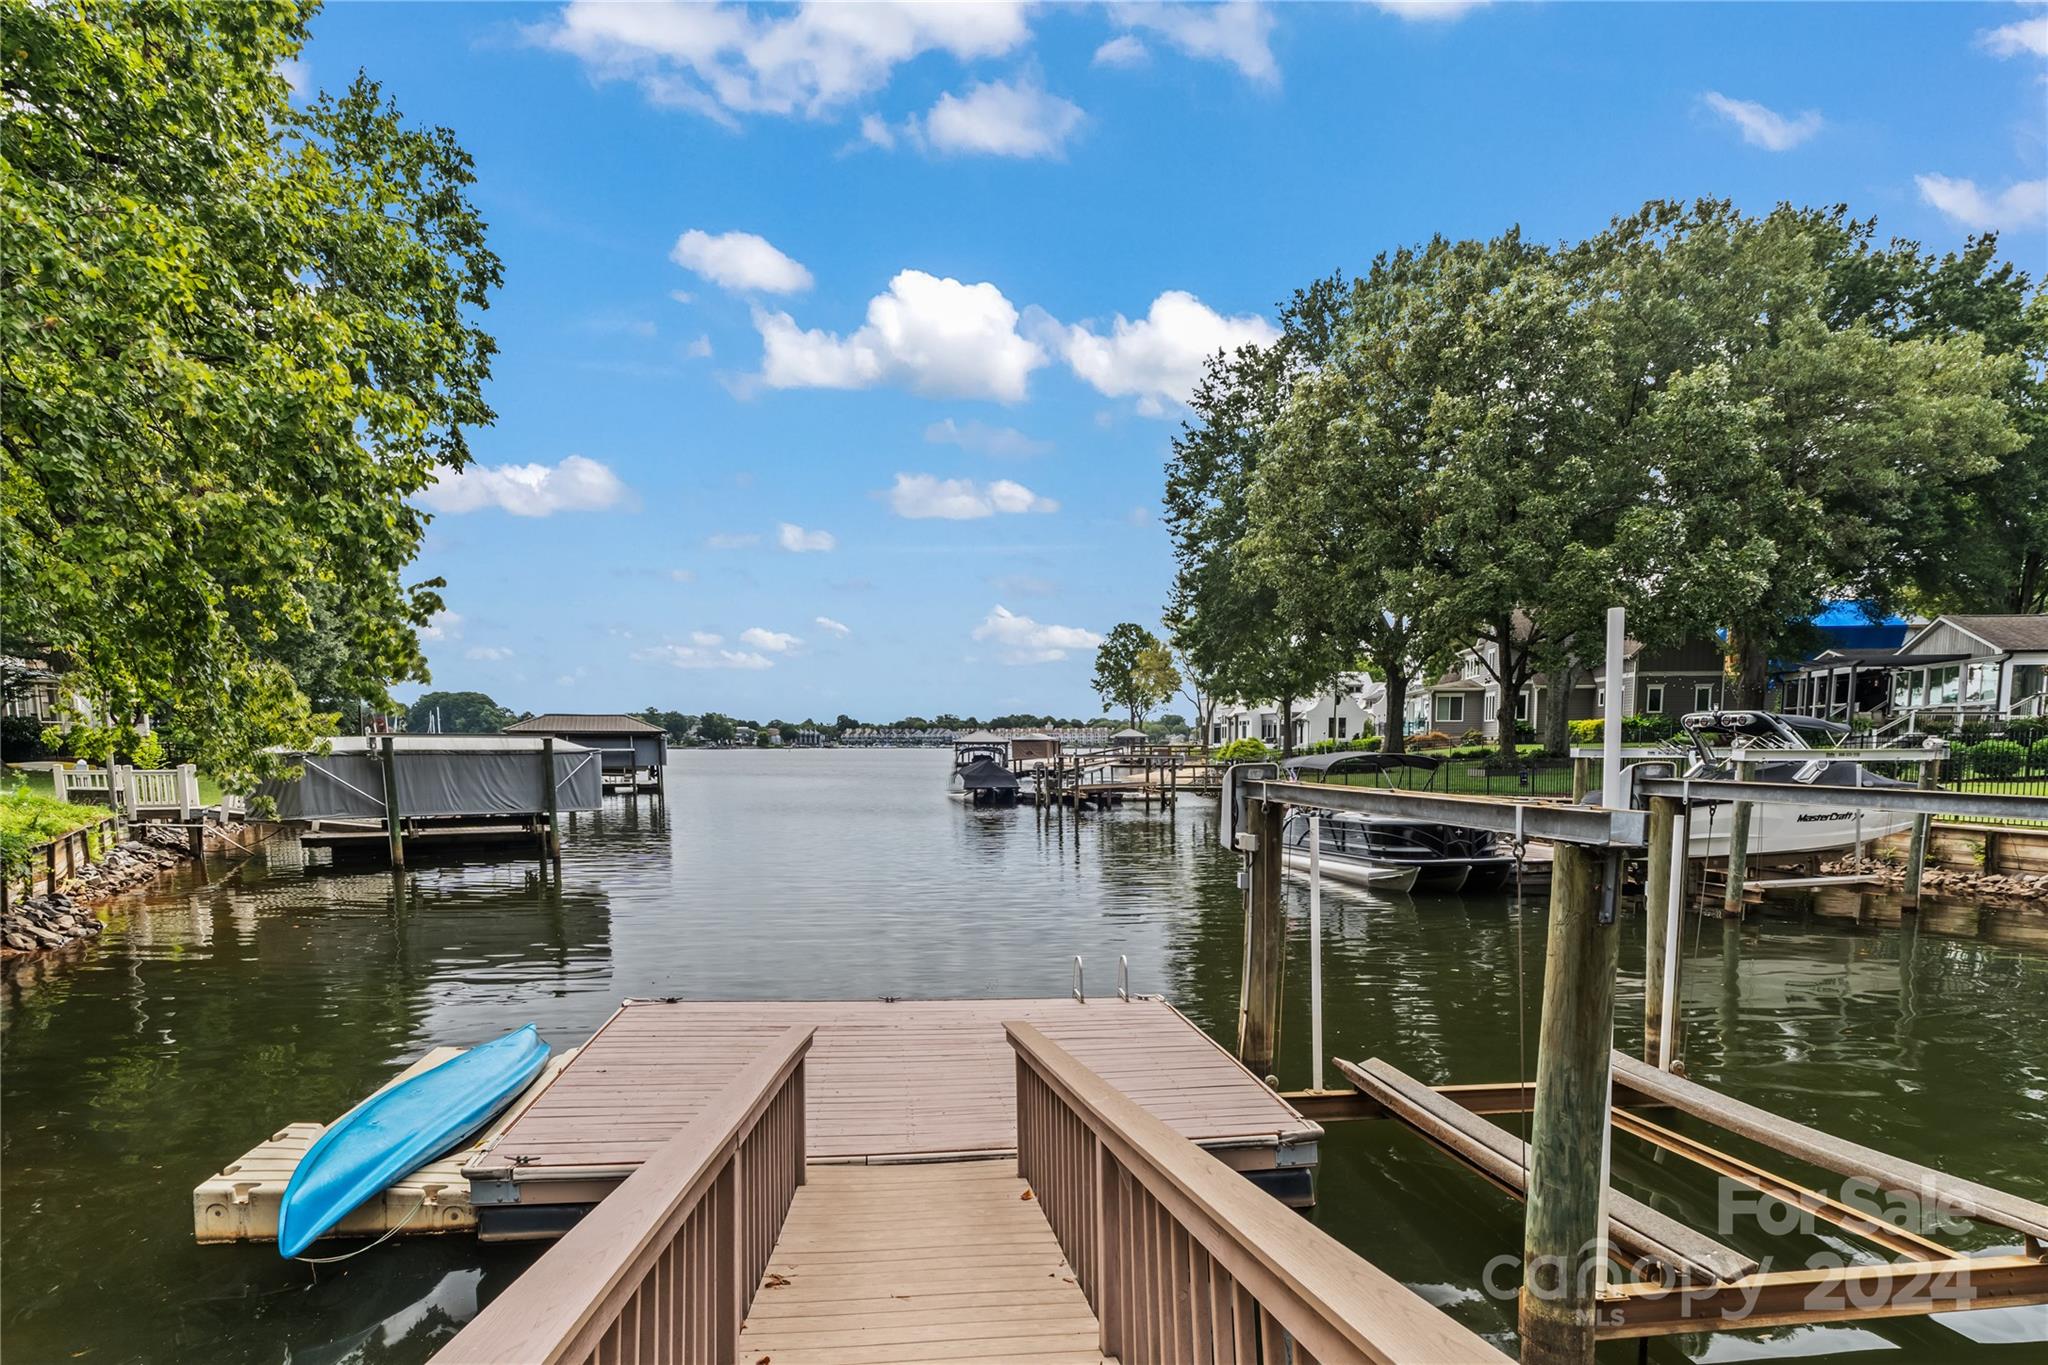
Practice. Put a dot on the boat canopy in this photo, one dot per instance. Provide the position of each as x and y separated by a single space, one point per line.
1359 761
985 774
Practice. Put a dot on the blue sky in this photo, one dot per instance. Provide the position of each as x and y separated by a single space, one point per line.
841 347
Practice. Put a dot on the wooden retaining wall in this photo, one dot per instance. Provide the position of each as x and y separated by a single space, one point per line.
1982 848
64 857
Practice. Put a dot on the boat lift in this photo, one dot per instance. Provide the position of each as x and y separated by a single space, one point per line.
1577 1233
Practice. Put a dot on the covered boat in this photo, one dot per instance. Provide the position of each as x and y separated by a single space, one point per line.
981 771
1442 857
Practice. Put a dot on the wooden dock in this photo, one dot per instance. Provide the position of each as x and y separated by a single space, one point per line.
935 1261
892 1082
1110 1236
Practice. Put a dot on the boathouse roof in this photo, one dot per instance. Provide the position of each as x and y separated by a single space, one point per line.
575 723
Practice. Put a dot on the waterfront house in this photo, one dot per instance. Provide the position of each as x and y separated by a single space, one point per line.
1466 700
1347 711
1960 667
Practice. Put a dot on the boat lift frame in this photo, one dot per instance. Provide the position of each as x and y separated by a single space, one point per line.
1930 1276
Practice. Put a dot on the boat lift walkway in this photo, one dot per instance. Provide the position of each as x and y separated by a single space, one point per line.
1110 1235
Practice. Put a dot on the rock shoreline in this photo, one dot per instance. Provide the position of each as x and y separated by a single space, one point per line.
65 917
1949 882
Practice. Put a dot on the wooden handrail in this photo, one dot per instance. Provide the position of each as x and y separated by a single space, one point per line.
666 1267
1182 1257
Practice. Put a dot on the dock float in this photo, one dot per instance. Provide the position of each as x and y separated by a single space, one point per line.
241 1203
892 1082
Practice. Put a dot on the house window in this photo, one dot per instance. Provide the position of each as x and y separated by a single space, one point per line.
1450 708
1522 705
1653 699
1983 683
1703 697
1490 708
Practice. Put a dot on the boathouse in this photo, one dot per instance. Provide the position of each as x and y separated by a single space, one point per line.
632 753
387 791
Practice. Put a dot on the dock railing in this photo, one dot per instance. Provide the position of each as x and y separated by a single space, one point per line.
666 1267
1182 1258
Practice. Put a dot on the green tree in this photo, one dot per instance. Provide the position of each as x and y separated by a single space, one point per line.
1134 670
1801 451
1226 603
239 337
714 728
460 713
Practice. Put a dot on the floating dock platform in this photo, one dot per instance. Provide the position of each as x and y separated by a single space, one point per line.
891 1083
241 1203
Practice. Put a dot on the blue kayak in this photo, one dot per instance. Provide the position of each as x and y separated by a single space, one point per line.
390 1135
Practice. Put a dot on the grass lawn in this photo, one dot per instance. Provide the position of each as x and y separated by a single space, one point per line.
29 817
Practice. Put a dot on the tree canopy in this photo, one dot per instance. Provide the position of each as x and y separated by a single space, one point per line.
239 336
458 713
1722 421
1134 670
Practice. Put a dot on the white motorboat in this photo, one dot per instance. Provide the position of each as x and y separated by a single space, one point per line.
1774 829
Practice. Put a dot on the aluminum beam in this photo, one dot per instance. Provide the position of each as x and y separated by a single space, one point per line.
1966 805
1587 825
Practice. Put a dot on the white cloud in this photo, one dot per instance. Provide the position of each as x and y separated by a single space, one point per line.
997 118
297 74
1124 50
698 349
2022 204
769 641
1002 442
921 497
1158 358
682 575
576 484
708 639
937 336
1764 127
1025 641
489 654
797 540
693 656
2010 40
740 260
724 60
875 129
838 628
443 625
1429 11
731 540
1237 32
682 296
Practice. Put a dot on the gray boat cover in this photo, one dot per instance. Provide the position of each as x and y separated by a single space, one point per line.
438 776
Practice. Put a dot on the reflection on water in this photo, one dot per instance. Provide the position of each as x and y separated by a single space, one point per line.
212 1013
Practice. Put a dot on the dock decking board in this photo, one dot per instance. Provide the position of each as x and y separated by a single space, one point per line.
936 1262
884 1081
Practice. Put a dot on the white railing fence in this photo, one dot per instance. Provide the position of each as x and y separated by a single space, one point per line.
131 791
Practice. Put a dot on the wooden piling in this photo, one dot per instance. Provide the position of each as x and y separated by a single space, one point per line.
1265 941
1561 1230
1657 918
551 838
1582 778
1738 846
1916 847
393 816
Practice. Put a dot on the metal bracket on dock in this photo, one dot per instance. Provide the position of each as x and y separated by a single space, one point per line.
1078 996
1123 977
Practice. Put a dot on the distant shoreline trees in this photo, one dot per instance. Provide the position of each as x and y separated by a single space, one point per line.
1721 421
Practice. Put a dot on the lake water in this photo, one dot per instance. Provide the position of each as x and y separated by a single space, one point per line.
213 1013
